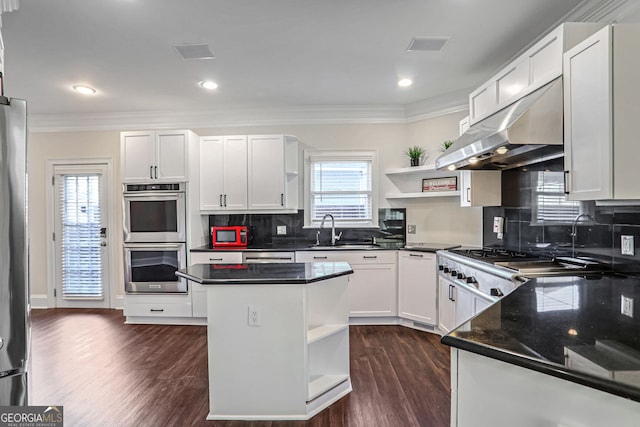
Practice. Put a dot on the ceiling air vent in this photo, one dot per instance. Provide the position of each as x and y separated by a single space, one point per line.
427 44
194 51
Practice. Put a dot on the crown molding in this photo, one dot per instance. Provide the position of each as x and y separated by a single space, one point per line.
607 12
245 117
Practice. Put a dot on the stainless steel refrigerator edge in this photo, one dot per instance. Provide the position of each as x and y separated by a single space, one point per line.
15 322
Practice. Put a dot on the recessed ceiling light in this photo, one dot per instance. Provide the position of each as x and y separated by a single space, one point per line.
404 82
501 150
85 90
208 84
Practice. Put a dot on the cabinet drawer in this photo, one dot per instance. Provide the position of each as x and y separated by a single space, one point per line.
157 310
214 257
352 257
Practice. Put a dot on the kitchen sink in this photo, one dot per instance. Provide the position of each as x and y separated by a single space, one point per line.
345 246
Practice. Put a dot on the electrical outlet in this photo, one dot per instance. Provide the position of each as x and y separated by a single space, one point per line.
627 247
411 229
626 306
254 316
281 230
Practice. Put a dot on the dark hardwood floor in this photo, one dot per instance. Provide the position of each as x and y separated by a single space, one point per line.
106 373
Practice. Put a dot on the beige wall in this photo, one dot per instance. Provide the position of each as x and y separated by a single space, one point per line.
43 147
436 220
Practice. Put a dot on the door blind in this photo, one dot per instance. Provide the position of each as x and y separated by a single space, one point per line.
80 244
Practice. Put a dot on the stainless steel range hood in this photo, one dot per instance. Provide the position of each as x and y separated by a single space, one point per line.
530 130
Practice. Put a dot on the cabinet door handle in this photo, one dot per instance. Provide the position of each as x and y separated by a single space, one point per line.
566 182
221 201
319 257
215 259
416 255
468 194
157 309
370 257
225 200
453 289
150 172
156 171
281 199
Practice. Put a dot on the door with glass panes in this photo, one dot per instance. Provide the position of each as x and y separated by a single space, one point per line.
80 236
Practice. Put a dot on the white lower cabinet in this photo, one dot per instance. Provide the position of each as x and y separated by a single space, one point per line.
417 287
141 308
373 284
456 305
198 291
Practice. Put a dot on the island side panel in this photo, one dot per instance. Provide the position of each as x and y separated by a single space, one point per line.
256 372
526 398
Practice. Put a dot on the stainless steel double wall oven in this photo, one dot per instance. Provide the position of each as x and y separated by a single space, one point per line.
154 238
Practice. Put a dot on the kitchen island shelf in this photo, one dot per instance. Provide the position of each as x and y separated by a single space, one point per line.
322 383
321 332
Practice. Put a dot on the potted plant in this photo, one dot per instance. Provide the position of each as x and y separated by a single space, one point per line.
415 153
445 145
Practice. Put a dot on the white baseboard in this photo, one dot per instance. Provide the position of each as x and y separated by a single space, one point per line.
39 301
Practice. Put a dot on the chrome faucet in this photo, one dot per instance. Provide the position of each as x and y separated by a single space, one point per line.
334 238
574 231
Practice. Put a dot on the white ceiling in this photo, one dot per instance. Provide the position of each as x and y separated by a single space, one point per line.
282 55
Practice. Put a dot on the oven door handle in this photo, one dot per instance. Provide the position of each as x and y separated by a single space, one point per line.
155 196
147 246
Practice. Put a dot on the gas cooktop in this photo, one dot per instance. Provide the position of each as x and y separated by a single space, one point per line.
495 254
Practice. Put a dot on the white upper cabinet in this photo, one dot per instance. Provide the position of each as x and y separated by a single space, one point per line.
223 173
150 156
480 188
272 163
463 125
537 66
601 92
248 173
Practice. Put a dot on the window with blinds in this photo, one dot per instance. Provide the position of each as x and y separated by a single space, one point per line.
550 202
342 184
81 253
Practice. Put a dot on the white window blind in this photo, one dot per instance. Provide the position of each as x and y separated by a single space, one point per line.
342 188
550 201
80 245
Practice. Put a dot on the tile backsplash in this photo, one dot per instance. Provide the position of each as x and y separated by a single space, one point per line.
263 228
539 219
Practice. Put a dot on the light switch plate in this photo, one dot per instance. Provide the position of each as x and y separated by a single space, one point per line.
281 230
627 246
411 229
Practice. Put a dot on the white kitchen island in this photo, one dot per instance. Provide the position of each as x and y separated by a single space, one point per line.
278 338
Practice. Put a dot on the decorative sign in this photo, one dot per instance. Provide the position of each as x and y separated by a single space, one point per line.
449 183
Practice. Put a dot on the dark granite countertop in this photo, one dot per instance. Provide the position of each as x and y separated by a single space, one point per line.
264 273
344 246
544 323
299 246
